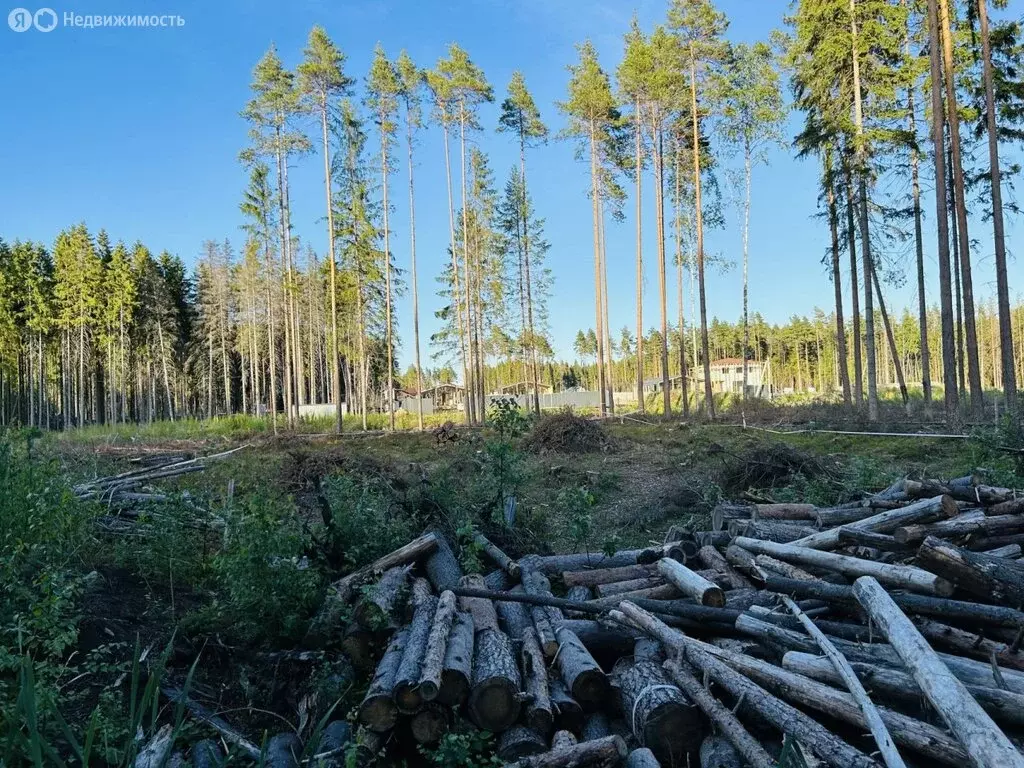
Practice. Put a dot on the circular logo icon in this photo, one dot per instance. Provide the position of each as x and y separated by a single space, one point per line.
20 19
45 19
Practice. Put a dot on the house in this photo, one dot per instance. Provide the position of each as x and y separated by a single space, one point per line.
446 397
524 388
727 376
654 385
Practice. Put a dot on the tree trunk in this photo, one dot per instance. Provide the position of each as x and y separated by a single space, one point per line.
709 400
595 195
746 251
335 368
837 281
638 133
851 241
606 752
456 293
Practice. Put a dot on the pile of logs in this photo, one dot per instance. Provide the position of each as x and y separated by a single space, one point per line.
885 631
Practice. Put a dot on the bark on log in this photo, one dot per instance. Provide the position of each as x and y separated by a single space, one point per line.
206 754
484 615
1009 551
982 494
658 714
378 711
720 716
601 639
969 523
712 538
497 556
407 693
988 578
716 752
608 752
498 581
691 584
662 592
156 751
642 758
606 575
544 617
887 521
539 712
563 740
782 533
568 712
213 720
582 676
579 593
622 587
1003 706
457 671
872 716
330 751
981 543
430 723
442 567
905 576
674 550
856 537
744 562
986 744
1009 507
744 599
376 610
790 571
956 610
494 702
648 649
596 726
713 559
725 513
415 550
786 718
966 643
551 565
784 511
520 741
840 516
515 617
437 644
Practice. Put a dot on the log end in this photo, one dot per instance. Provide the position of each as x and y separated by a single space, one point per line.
378 714
429 724
494 704
714 598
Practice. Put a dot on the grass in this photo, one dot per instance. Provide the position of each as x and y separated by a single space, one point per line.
84 613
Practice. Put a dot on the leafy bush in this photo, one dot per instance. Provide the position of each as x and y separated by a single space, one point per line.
366 520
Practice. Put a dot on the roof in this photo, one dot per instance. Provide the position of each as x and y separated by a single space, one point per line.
443 386
728 361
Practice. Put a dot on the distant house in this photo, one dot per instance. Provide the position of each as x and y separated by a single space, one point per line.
727 376
654 385
446 397
524 388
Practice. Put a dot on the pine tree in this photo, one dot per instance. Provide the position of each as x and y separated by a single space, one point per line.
321 80
383 88
592 113
752 116
521 117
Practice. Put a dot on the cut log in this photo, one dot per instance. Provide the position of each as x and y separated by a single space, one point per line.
568 712
986 744
957 610
580 593
771 530
966 643
520 741
416 549
790 571
674 550
905 576
406 691
602 639
539 712
563 740
633 585
992 579
663 592
1003 706
496 556
494 696
642 758
982 494
155 753
206 754
725 513
716 752
659 715
841 516
872 717
720 716
744 562
360 645
596 727
784 511
972 522
330 751
1009 507
377 608
554 564
915 735
691 584
499 580
712 538
889 520
429 723
515 617
597 576
443 569
647 649
786 718
536 584
1009 551
857 537
582 676
484 615
437 644
283 751
744 599
608 752
457 671
378 711
713 559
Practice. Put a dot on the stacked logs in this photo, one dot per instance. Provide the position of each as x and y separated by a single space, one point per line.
883 630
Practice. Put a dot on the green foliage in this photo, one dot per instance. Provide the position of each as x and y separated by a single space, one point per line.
366 520
507 418
575 505
463 750
469 550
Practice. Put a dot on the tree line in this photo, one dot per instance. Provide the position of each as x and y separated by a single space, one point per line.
895 95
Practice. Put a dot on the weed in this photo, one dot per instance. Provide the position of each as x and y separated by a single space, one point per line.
462 750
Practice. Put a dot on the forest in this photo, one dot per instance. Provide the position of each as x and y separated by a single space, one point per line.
893 98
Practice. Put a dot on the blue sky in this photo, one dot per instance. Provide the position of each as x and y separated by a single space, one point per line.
138 131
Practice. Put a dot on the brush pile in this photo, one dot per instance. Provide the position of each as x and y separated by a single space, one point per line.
885 631
566 432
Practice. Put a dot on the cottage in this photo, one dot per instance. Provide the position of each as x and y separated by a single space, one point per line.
446 397
727 377
524 388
